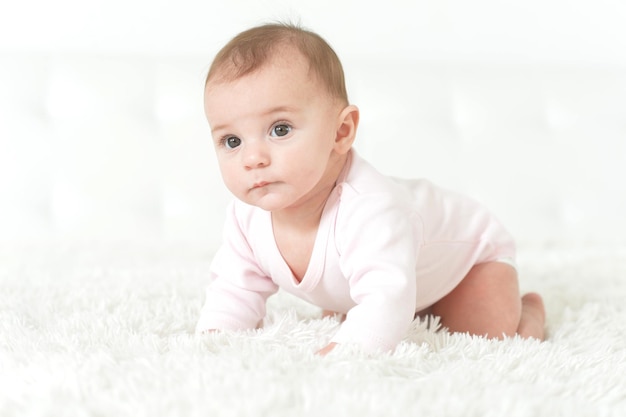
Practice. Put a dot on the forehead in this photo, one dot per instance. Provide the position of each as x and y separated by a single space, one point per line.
284 80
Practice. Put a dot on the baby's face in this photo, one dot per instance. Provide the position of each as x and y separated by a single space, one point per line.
274 133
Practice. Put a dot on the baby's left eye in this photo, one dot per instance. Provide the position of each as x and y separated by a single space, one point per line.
280 130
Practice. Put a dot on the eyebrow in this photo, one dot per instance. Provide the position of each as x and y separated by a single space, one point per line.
273 110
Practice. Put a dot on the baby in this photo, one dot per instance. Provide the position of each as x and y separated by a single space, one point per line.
315 219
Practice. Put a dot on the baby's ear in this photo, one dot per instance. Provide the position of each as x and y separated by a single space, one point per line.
348 121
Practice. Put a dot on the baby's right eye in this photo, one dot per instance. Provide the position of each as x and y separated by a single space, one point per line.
231 142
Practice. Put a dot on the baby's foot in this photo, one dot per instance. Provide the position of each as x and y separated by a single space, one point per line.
330 313
532 322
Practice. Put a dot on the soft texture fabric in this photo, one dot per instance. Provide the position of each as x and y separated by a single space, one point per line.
108 331
385 249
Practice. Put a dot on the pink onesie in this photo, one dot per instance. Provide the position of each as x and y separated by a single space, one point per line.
385 249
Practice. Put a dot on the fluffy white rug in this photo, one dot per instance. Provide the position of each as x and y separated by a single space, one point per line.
108 331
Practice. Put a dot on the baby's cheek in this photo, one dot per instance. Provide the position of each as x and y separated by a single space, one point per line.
234 185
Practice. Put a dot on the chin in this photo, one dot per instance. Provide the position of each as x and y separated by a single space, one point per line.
267 204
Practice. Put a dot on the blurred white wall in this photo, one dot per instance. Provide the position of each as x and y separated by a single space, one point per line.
521 104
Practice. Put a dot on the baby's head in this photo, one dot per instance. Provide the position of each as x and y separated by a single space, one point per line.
252 49
276 102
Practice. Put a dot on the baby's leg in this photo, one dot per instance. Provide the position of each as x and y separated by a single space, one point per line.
487 302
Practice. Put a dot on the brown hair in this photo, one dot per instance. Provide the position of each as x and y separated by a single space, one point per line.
251 49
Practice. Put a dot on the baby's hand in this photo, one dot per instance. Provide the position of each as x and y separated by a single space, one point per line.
207 331
326 349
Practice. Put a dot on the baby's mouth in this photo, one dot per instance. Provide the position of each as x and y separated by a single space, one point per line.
260 184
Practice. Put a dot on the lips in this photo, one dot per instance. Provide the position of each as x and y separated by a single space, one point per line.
260 184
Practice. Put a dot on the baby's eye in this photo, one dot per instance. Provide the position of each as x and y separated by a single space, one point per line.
232 142
281 130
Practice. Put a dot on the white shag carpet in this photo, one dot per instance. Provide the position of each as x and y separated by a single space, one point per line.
95 330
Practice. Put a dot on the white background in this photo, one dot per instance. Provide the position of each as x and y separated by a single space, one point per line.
520 104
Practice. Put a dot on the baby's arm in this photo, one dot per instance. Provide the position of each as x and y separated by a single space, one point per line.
384 311
235 302
236 297
377 246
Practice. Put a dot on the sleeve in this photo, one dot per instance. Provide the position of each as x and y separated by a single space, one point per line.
378 250
236 296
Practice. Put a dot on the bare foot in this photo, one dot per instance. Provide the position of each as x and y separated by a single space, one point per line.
533 317
329 313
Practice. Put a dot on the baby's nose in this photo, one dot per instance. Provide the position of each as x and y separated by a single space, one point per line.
255 155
